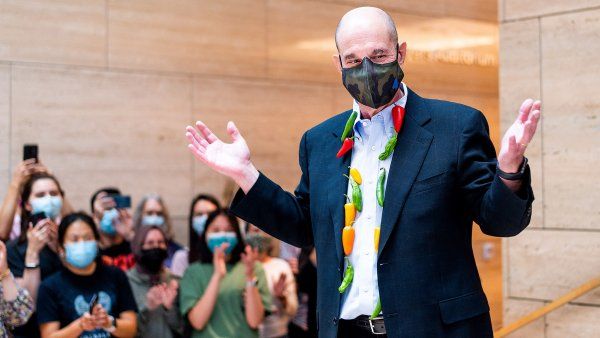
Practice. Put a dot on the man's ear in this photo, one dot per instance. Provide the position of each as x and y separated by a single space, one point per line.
336 62
402 53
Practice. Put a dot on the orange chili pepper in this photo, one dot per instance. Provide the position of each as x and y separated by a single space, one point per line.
376 238
348 239
350 214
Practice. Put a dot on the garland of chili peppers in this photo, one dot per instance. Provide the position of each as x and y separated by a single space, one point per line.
354 203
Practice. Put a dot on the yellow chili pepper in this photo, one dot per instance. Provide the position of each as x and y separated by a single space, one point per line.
356 175
348 239
350 214
376 238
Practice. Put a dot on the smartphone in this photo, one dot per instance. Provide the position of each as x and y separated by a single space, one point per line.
93 302
30 151
122 201
38 216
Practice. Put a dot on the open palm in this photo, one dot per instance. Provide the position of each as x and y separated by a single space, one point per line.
226 158
518 136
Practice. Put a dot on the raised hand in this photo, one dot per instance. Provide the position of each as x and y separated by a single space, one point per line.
280 286
169 292
38 236
230 159
518 136
249 257
154 297
219 261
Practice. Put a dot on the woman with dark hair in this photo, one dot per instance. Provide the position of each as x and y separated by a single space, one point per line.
201 206
33 257
10 212
154 288
152 211
85 298
224 293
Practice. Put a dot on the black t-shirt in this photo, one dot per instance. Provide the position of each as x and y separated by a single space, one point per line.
119 255
49 264
65 296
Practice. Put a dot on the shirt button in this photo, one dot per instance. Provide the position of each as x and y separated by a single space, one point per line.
364 123
366 253
373 148
369 217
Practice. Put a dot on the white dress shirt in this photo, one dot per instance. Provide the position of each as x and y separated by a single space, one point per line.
371 136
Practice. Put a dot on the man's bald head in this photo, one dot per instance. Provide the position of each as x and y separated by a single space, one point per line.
365 19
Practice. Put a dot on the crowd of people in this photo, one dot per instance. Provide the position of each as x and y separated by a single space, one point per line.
119 272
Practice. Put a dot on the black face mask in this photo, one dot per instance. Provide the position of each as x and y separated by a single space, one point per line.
373 84
152 260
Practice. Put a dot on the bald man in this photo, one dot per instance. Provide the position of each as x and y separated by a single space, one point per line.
395 257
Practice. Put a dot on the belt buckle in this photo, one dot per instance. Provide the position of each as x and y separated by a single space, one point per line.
373 327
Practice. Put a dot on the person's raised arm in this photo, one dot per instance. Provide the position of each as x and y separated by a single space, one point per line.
200 314
260 201
229 159
253 305
37 238
9 206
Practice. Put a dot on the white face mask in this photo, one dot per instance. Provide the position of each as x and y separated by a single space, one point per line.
153 220
49 205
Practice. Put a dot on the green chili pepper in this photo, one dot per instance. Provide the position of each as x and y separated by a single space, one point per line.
356 195
348 276
349 125
381 187
377 309
389 148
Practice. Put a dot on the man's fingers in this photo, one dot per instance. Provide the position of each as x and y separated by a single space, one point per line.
199 155
193 141
195 133
233 131
530 127
525 109
208 134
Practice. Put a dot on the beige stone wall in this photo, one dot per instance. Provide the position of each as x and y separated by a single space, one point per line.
549 50
106 87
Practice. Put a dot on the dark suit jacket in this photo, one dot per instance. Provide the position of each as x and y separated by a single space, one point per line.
442 178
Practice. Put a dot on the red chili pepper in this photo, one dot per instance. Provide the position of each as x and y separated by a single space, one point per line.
346 146
398 117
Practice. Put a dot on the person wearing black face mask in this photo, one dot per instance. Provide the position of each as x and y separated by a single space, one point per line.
154 288
426 170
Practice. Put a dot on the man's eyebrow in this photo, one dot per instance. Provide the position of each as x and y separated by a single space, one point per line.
350 56
378 51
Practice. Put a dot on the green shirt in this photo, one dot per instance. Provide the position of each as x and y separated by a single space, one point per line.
228 318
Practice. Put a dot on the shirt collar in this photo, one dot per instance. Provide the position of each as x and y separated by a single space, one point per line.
386 113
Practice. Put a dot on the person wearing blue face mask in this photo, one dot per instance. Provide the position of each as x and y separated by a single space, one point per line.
202 205
225 293
115 227
33 256
152 211
64 299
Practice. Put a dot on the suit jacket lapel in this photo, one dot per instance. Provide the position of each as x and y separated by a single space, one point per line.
338 187
409 154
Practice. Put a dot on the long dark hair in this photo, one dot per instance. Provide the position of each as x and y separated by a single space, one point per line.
193 236
26 193
71 218
199 250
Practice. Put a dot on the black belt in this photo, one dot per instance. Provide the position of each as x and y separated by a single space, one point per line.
374 326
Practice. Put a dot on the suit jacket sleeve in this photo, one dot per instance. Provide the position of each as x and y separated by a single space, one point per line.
498 210
283 215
